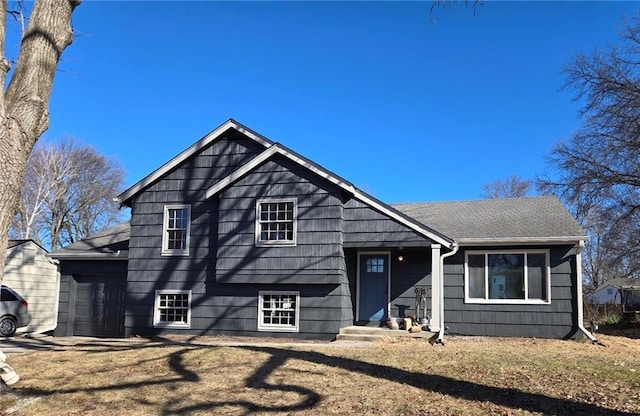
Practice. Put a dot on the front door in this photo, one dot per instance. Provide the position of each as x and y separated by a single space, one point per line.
374 285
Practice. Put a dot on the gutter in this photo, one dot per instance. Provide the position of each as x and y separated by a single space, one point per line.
581 327
519 241
440 337
116 255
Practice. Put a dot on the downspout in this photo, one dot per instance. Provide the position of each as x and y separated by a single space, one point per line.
581 327
455 247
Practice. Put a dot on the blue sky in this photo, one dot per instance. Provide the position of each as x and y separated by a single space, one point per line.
406 108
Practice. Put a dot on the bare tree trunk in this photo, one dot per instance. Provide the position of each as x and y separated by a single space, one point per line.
24 106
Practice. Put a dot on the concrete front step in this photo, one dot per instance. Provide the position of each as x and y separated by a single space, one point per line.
358 337
365 333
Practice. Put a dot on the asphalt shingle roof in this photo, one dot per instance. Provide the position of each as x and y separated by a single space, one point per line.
112 241
514 218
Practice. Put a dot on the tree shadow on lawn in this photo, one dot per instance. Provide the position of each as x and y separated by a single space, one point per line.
502 396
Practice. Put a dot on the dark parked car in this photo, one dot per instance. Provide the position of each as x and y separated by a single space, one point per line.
14 311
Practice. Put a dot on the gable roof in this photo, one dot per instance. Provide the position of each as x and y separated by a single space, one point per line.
271 150
16 243
110 244
539 220
125 197
499 221
278 149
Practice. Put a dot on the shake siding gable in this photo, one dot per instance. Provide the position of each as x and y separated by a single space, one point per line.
365 227
317 257
225 270
148 271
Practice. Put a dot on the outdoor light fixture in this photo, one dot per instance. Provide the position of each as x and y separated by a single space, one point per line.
400 259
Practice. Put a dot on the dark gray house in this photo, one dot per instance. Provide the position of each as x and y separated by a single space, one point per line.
240 235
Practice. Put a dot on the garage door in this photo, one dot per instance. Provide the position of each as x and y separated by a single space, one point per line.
99 310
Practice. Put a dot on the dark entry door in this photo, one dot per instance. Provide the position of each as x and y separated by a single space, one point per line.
374 280
99 310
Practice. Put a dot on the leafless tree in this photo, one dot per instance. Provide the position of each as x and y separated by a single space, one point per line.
24 103
67 193
599 167
512 187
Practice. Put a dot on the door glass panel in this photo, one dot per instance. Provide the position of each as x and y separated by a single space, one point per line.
375 265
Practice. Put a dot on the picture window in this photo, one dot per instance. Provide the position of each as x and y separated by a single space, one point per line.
507 277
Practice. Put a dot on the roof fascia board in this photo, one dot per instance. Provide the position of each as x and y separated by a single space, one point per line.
124 197
380 206
520 241
19 244
27 241
120 255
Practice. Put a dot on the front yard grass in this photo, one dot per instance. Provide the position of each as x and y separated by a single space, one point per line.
391 377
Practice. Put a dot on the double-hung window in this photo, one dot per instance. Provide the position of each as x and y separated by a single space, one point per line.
507 276
172 309
278 311
176 229
276 222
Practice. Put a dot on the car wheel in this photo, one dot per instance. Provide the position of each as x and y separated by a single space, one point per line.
8 326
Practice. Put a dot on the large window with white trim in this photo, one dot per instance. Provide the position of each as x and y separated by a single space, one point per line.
172 308
276 222
507 276
278 311
176 230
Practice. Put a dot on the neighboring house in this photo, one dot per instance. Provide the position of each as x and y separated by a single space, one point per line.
616 291
34 275
240 235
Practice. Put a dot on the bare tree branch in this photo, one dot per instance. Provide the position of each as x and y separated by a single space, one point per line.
599 167
68 193
512 187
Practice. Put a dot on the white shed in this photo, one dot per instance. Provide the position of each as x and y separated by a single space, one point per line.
29 271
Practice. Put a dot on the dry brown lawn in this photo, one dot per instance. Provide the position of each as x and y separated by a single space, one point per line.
467 376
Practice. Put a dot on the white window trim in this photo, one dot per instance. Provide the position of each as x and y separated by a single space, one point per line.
165 225
525 301
278 243
167 324
278 328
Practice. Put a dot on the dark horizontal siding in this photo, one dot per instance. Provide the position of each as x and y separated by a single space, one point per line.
363 226
407 276
222 248
148 270
554 320
66 301
203 170
234 311
317 257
